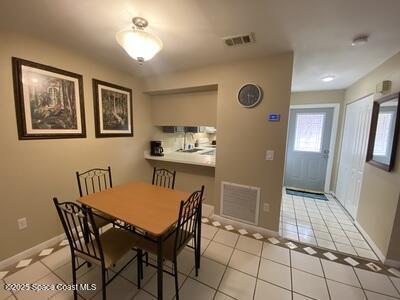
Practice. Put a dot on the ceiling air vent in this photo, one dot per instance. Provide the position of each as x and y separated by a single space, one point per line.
240 39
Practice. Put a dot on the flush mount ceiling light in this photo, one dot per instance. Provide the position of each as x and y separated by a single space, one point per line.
360 40
328 78
138 43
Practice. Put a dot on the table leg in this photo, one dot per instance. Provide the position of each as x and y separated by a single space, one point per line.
159 268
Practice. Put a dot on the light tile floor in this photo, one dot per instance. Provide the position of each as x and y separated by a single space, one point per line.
232 267
322 223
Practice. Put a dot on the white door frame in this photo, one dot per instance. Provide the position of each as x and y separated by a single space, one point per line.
335 121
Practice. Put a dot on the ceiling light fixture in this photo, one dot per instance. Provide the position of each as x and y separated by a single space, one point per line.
328 78
141 45
360 40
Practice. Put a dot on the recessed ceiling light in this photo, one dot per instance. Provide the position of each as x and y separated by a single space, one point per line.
328 78
360 40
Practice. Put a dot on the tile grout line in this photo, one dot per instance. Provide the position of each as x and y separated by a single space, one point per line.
291 273
226 267
308 216
359 281
340 224
326 279
258 269
326 225
345 232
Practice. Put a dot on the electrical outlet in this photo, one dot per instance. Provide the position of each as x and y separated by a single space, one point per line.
22 223
266 207
270 155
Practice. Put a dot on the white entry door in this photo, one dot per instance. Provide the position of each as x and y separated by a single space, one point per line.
307 150
353 153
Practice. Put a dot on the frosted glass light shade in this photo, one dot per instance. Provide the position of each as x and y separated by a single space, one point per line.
139 44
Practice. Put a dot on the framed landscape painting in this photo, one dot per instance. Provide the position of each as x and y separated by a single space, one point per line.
112 109
48 101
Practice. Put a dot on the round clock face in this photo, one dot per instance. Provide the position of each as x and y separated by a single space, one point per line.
249 95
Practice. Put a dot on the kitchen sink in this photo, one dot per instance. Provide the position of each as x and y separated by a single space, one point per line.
191 150
211 152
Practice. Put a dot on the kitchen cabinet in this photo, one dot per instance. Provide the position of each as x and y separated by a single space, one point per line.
173 129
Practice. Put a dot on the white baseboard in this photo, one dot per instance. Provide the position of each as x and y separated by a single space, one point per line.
374 247
392 263
39 247
237 224
31 251
207 210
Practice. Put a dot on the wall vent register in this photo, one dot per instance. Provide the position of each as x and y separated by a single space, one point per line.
240 202
241 39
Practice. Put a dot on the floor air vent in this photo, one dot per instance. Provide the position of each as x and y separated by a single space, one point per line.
240 202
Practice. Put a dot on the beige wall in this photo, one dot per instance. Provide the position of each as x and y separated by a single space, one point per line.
190 178
317 97
190 109
35 171
380 191
324 97
244 134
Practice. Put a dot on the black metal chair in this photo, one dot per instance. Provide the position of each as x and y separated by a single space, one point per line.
164 178
187 228
85 242
92 181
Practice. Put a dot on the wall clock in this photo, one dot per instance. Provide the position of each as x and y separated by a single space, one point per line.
250 95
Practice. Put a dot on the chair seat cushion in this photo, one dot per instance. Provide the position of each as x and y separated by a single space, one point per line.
115 244
168 245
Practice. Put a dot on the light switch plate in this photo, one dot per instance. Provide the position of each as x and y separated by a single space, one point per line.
22 223
270 155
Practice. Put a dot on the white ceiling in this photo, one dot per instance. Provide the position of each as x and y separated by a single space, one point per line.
318 31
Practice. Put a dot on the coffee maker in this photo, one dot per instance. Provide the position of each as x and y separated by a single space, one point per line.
156 149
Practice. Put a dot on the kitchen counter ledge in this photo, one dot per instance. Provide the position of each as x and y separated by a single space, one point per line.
184 158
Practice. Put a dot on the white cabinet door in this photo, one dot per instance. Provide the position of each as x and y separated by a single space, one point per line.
353 153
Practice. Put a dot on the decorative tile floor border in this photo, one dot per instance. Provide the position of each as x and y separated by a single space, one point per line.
335 256
31 260
328 254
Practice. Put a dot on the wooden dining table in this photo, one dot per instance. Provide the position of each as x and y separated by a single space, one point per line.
147 207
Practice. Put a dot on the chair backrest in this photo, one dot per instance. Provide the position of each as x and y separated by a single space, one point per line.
94 180
80 229
164 178
189 215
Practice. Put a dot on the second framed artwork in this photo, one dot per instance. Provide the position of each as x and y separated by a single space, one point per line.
113 109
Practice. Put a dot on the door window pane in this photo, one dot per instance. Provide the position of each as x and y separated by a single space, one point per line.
309 130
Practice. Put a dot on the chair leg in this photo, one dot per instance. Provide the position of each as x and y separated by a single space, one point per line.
176 279
147 259
103 282
139 267
74 277
196 260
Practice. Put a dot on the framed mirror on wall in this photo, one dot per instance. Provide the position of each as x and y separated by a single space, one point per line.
384 133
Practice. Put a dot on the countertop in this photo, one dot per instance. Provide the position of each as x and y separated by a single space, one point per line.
186 158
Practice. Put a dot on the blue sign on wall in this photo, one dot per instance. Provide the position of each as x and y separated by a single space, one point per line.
274 117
